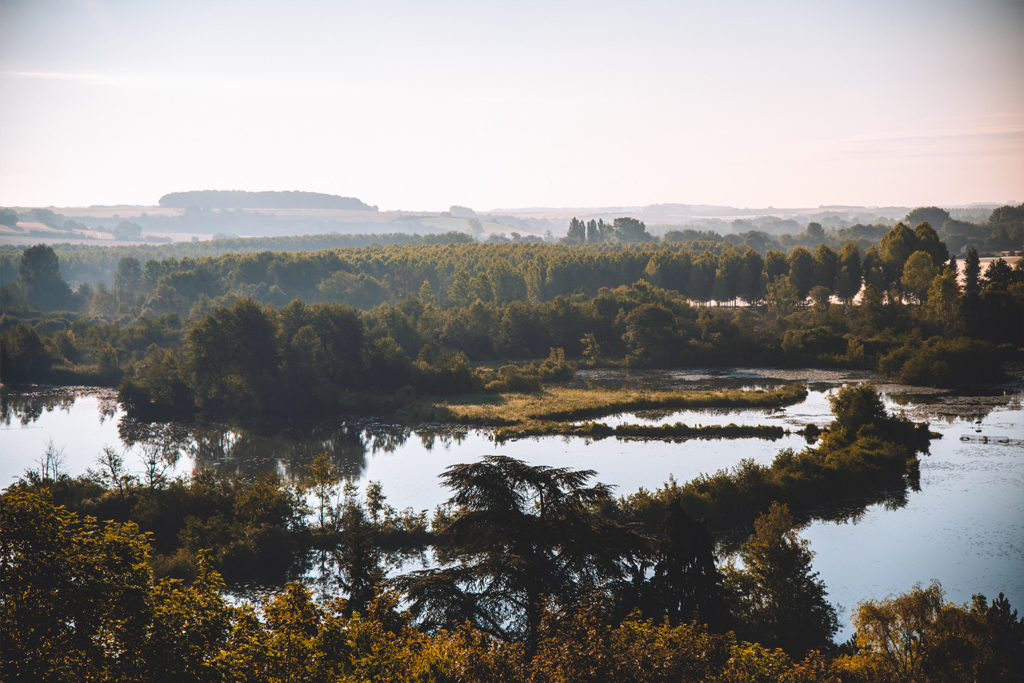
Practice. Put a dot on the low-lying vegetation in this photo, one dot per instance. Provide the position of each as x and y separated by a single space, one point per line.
564 404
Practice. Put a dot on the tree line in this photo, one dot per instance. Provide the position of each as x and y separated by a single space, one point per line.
913 320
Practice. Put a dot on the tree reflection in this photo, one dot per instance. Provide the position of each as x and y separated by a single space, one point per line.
29 406
287 450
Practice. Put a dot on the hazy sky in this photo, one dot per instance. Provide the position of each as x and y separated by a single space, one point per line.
419 105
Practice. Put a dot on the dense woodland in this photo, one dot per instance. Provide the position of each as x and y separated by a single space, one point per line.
276 334
540 573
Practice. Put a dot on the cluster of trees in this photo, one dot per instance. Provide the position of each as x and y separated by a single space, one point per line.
541 575
623 230
903 310
176 277
955 336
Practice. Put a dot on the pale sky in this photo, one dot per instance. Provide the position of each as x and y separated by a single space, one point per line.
420 105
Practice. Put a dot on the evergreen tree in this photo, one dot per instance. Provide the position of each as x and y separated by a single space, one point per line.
776 598
972 290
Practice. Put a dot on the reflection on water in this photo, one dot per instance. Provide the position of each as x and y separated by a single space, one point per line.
961 519
250 452
290 448
25 407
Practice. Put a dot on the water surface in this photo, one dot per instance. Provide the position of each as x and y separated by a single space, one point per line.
964 527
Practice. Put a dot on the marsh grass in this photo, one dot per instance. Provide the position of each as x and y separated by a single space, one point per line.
563 404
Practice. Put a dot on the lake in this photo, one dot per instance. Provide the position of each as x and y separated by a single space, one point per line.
964 527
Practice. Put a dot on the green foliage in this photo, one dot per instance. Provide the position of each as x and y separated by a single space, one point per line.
862 458
23 357
918 636
939 361
517 535
918 273
776 598
75 596
894 250
499 304
40 279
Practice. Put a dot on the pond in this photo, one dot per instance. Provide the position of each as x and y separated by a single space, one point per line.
964 527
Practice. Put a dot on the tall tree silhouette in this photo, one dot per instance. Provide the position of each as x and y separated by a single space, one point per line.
517 535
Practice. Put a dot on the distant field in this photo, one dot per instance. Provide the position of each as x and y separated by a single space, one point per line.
112 211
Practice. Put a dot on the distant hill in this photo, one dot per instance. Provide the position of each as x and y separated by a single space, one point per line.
238 199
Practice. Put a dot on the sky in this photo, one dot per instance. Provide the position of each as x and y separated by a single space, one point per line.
421 105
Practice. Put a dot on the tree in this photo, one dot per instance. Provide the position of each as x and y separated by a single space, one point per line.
918 273
894 249
651 335
322 477
702 277
999 275
686 584
127 281
775 265
871 267
969 308
630 230
577 232
776 598
943 301
669 270
801 272
517 534
112 472
855 406
848 280
928 241
40 280
815 233
191 627
727 276
591 349
751 277
75 596
932 215
826 267
358 553
233 359
972 275
782 296
893 632
23 356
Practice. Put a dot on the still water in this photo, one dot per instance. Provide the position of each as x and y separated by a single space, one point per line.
964 527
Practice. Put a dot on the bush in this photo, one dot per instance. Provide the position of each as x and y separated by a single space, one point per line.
944 362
